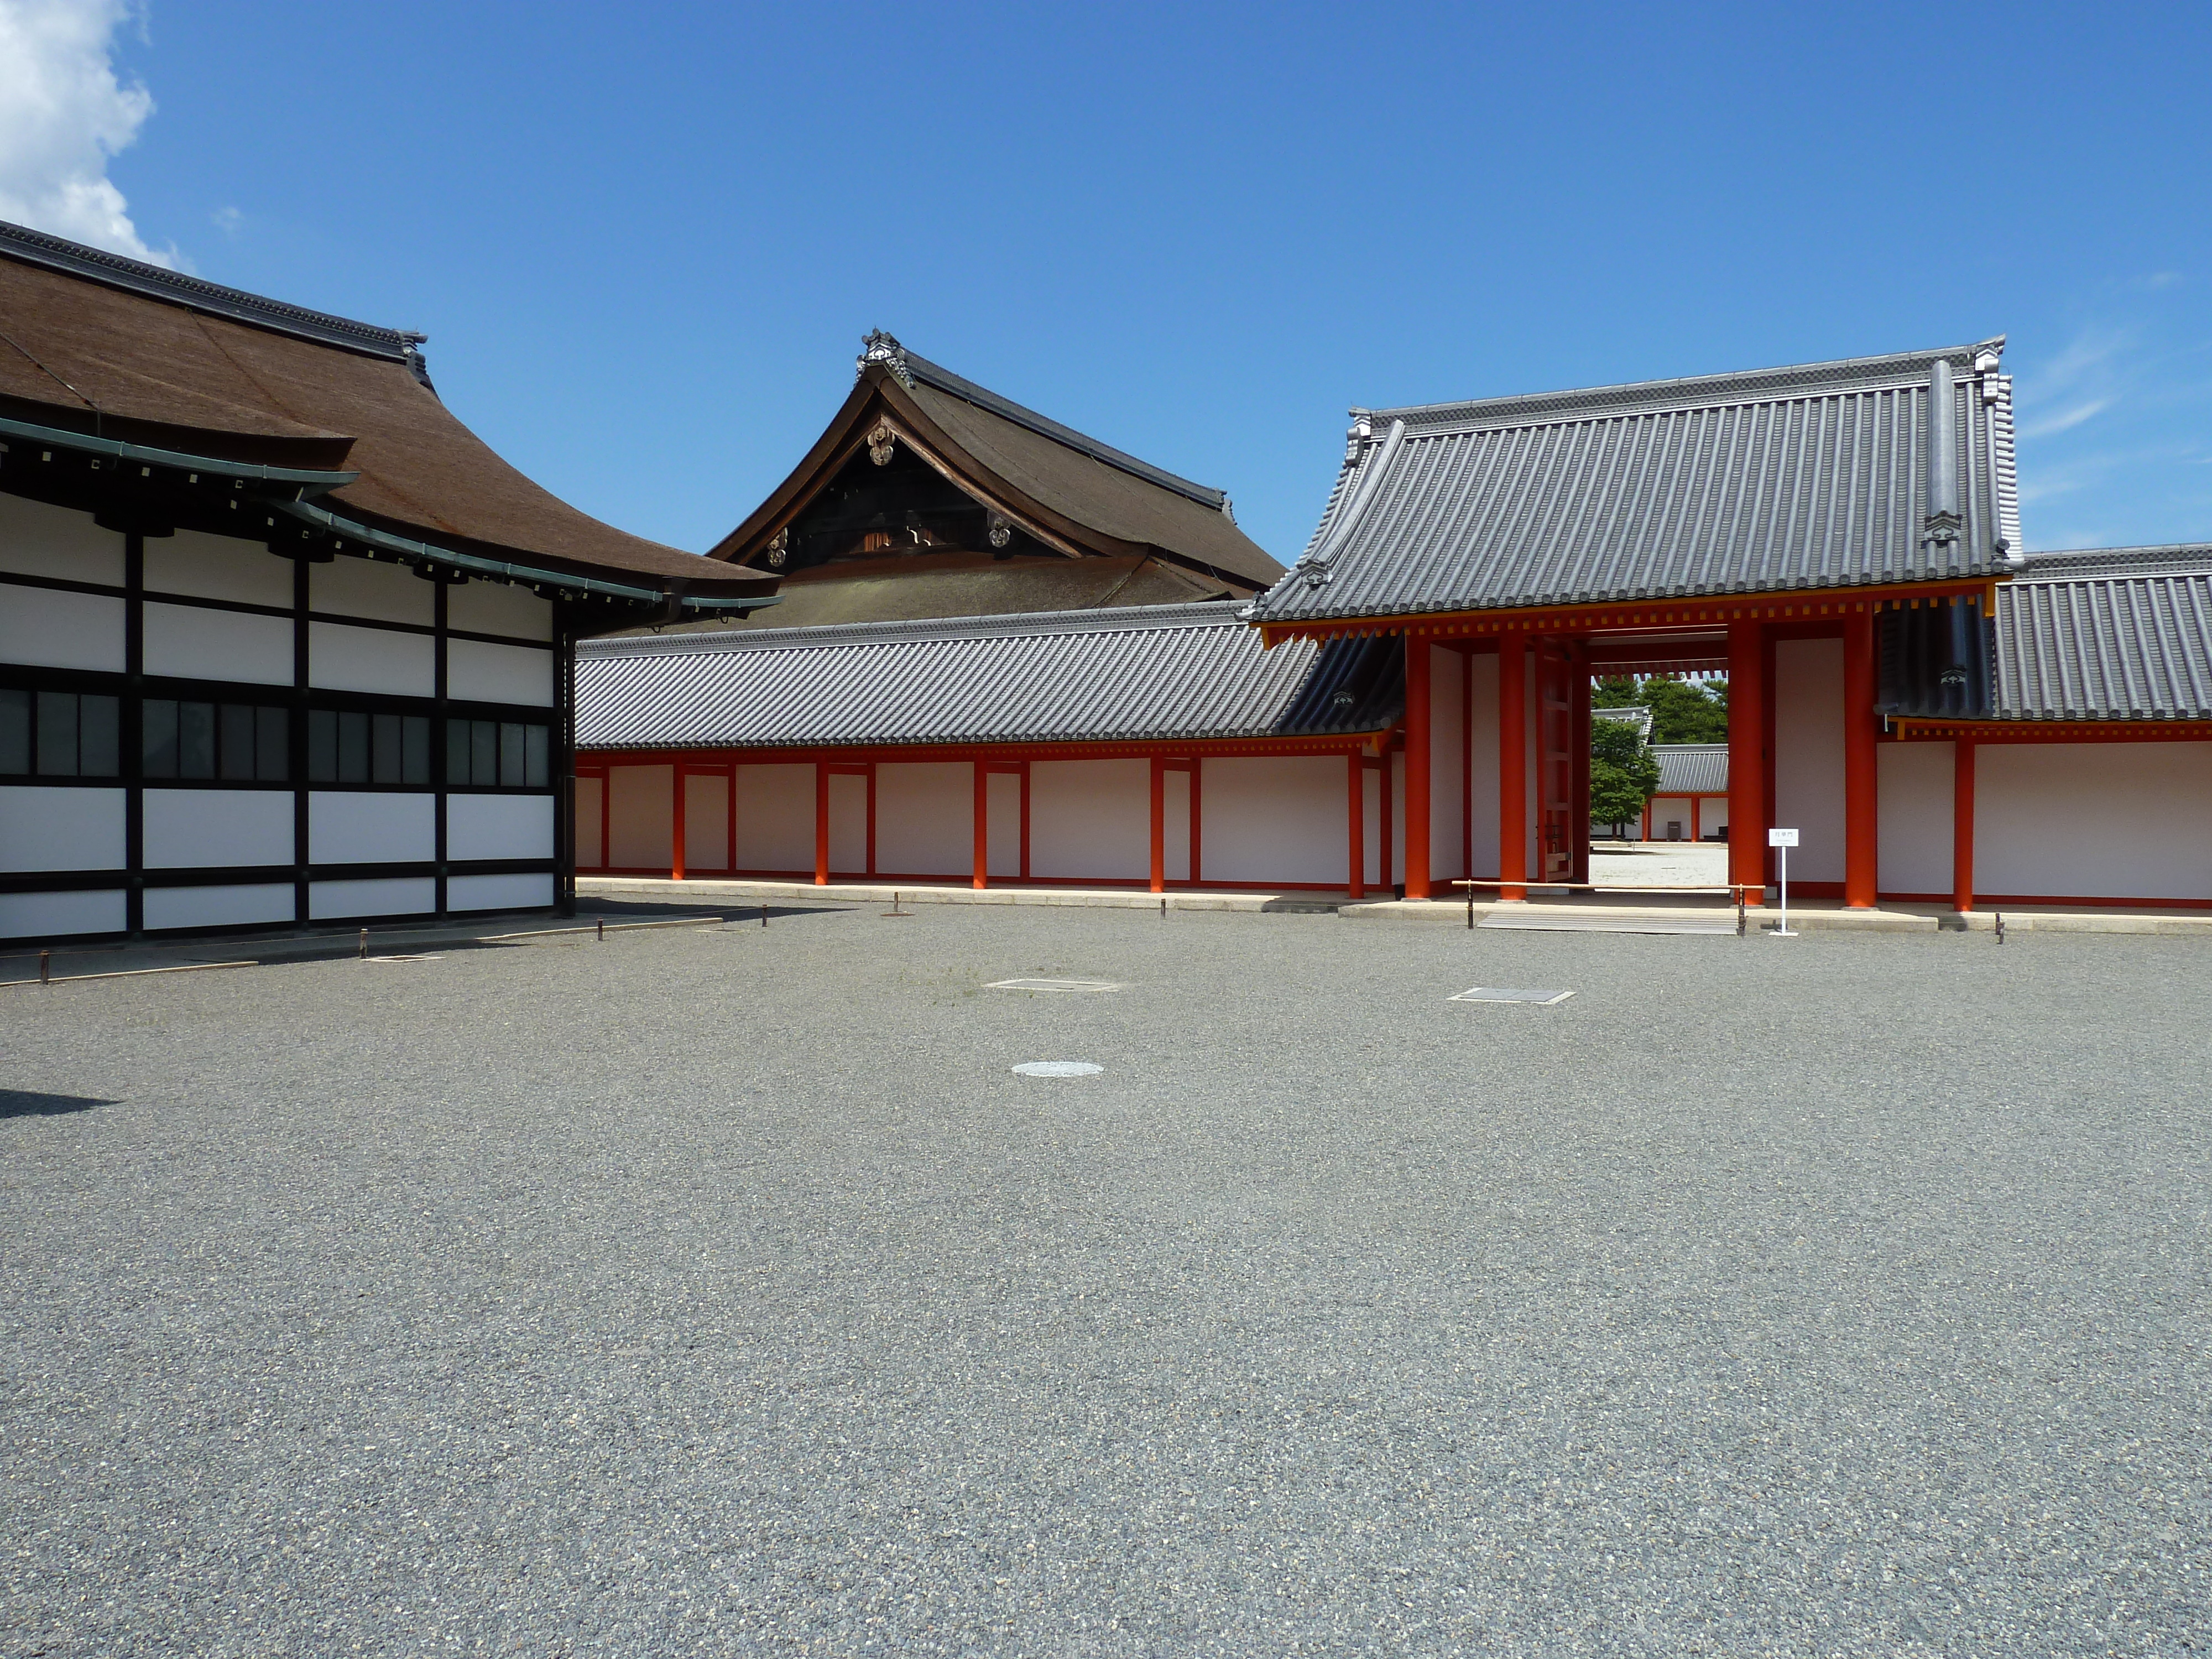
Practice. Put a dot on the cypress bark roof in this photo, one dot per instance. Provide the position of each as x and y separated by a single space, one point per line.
2121 633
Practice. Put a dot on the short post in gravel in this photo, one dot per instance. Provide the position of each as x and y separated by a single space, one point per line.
1783 840
763 916
364 945
602 930
46 966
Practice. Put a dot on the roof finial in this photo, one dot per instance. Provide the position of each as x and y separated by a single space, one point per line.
880 348
1943 522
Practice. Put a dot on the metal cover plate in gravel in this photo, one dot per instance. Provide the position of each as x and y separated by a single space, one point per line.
1052 985
1057 1068
1485 993
1609 924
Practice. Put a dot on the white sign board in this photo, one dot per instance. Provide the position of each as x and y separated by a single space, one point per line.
1782 838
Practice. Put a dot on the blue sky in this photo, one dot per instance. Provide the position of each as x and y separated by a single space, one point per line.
645 240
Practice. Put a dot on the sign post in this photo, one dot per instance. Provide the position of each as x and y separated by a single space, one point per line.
1784 839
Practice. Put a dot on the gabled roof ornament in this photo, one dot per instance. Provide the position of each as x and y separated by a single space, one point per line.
881 348
1943 523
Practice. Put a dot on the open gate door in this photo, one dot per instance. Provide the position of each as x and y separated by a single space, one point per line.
1563 698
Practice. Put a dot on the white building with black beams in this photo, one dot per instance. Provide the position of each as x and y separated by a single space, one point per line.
282 641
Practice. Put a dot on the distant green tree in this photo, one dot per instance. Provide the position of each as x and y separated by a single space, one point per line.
1620 691
1623 774
1683 711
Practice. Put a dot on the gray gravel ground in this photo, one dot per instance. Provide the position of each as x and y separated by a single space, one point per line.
721 1291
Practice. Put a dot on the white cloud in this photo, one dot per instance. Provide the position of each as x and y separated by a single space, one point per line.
2066 418
63 116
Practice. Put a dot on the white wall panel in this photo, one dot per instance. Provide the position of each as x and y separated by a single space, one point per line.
218 568
848 823
188 829
926 821
345 659
706 821
524 890
39 540
1448 767
1482 782
50 629
480 607
2094 820
1174 826
45 829
372 829
370 587
1002 814
499 827
1091 820
775 817
641 817
1808 754
194 644
218 907
477 672
1370 800
1914 782
589 853
1274 819
57 915
399 896
1712 814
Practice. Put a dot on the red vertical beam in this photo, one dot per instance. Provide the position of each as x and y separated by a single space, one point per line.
1962 824
1578 744
1696 801
871 818
1512 766
1467 760
1768 681
1355 767
1159 824
1861 767
1748 754
676 837
983 826
1026 820
1418 724
822 823
1197 765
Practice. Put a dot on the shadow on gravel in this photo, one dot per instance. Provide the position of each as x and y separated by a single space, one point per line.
17 1103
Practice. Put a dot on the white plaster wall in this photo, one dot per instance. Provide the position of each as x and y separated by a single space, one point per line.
848 825
56 915
776 816
480 607
218 907
1174 826
39 540
1275 819
477 672
1003 813
47 828
218 568
1915 784
2089 820
1808 754
523 891
47 629
1448 769
641 817
1370 842
1712 814
589 853
706 821
1396 774
925 820
1092 820
499 827
1482 783
366 587
372 660
365 827
399 895
193 644
197 828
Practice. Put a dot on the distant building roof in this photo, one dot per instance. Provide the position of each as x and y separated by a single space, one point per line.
2118 634
1691 768
1166 672
1634 714
1823 476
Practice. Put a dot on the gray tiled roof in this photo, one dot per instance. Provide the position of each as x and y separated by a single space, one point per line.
1808 478
1140 673
1691 768
2117 634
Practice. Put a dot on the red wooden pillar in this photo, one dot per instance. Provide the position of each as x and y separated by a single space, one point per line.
822 823
1417 723
983 826
1962 824
1861 767
1747 755
1512 766
1159 824
676 837
1696 801
1355 767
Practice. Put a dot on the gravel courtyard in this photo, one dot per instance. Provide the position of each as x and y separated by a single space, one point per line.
721 1289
